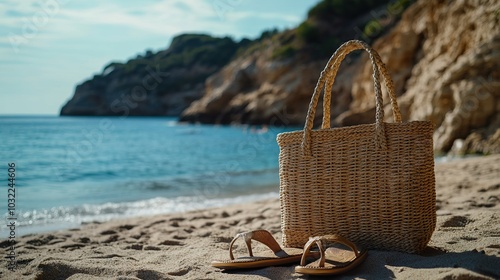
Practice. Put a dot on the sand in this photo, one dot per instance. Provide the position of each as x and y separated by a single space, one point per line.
465 245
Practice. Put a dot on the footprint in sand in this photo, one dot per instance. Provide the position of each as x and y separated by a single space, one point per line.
127 227
490 188
155 223
250 219
171 243
42 240
24 261
494 187
206 234
481 204
265 210
180 272
134 247
5 244
55 241
62 270
468 238
108 232
83 240
111 239
493 198
208 224
203 217
457 221
118 229
222 239
174 224
73 246
274 230
149 274
138 235
178 237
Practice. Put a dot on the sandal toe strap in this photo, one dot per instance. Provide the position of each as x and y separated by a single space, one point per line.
319 242
260 235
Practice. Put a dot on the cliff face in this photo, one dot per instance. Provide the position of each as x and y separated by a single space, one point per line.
444 57
255 90
158 84
273 80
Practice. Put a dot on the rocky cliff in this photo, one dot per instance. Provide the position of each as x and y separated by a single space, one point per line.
154 84
444 57
273 80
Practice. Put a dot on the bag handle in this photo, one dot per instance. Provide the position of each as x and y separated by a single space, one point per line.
326 80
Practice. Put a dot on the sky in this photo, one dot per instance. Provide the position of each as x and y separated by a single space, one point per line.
47 47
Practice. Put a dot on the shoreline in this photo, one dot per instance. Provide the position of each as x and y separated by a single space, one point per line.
71 220
466 242
76 222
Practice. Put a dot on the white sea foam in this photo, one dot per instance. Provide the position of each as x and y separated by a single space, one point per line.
55 218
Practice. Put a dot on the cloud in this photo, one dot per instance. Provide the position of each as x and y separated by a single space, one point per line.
31 18
242 15
23 21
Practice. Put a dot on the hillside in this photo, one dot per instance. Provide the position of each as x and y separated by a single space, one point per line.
154 84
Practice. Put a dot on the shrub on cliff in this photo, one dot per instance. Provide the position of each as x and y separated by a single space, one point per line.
341 8
185 50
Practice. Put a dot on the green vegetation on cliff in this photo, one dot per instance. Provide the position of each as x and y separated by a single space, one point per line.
325 9
332 22
186 50
155 83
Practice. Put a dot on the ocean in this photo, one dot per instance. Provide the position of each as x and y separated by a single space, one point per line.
73 170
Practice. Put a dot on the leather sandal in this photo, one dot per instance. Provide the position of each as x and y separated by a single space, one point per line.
333 259
278 256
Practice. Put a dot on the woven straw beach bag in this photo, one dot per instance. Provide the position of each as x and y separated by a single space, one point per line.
373 184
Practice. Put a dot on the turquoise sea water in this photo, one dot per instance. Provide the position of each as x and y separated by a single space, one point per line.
71 170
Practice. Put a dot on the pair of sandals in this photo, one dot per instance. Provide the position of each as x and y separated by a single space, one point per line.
332 259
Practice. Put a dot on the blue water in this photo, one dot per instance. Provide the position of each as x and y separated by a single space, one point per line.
71 170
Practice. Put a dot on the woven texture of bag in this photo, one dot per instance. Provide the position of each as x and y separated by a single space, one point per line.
373 184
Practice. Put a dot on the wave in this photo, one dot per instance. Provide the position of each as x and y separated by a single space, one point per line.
65 217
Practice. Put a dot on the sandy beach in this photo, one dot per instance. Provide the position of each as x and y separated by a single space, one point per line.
465 245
